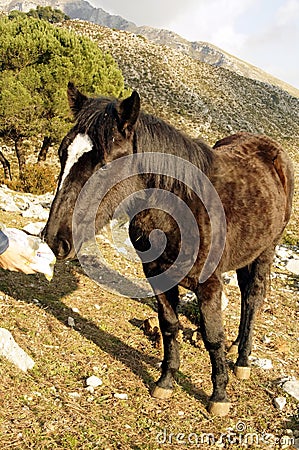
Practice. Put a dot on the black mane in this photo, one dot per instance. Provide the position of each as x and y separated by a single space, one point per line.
98 118
156 135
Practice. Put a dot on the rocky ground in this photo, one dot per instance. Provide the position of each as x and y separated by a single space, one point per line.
49 340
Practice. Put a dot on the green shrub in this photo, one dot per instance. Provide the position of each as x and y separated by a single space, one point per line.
36 179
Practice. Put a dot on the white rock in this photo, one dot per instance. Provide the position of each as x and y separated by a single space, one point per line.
230 279
121 396
70 322
74 395
293 266
7 203
282 253
94 381
90 389
266 339
11 350
36 211
262 363
224 301
292 388
280 402
122 250
34 228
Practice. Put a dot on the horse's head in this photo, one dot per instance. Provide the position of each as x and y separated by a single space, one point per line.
103 132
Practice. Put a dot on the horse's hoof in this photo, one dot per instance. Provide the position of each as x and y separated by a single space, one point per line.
233 350
161 393
219 408
242 373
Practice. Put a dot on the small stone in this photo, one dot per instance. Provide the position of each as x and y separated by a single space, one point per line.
289 432
121 396
34 228
74 395
36 211
224 301
293 266
90 389
75 310
266 339
292 388
262 363
280 402
230 279
181 413
282 253
94 381
13 352
71 322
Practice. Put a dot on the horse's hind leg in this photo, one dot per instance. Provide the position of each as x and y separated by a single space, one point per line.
211 327
169 325
243 275
253 282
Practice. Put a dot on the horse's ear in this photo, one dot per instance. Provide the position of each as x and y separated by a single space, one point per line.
75 98
128 112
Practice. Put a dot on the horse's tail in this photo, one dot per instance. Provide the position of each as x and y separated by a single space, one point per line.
284 169
272 154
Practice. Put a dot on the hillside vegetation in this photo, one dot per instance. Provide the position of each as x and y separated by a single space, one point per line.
36 62
205 100
74 328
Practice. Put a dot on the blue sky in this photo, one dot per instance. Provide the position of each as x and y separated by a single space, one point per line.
262 32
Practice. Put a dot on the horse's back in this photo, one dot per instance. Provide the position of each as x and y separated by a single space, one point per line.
260 148
254 179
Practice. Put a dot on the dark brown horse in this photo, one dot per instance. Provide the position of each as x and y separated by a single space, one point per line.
253 177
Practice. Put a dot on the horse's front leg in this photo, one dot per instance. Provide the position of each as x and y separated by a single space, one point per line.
169 325
211 327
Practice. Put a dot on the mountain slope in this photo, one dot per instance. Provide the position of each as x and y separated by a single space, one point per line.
205 100
202 51
210 54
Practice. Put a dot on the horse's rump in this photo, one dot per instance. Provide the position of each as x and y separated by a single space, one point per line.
269 152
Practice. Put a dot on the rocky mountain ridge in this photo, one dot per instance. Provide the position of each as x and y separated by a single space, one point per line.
200 98
202 51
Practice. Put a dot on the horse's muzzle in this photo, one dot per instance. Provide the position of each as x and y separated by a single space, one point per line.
63 249
59 244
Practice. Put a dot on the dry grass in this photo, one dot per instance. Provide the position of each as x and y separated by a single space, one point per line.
38 409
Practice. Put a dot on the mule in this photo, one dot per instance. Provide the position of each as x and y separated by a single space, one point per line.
253 178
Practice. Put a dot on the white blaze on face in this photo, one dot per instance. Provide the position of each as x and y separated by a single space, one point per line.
80 145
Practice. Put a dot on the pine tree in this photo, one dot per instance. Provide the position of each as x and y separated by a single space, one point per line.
37 60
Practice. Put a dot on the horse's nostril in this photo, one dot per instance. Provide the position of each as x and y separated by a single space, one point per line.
64 248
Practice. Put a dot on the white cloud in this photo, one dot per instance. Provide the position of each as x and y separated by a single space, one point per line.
147 12
262 32
288 13
275 48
